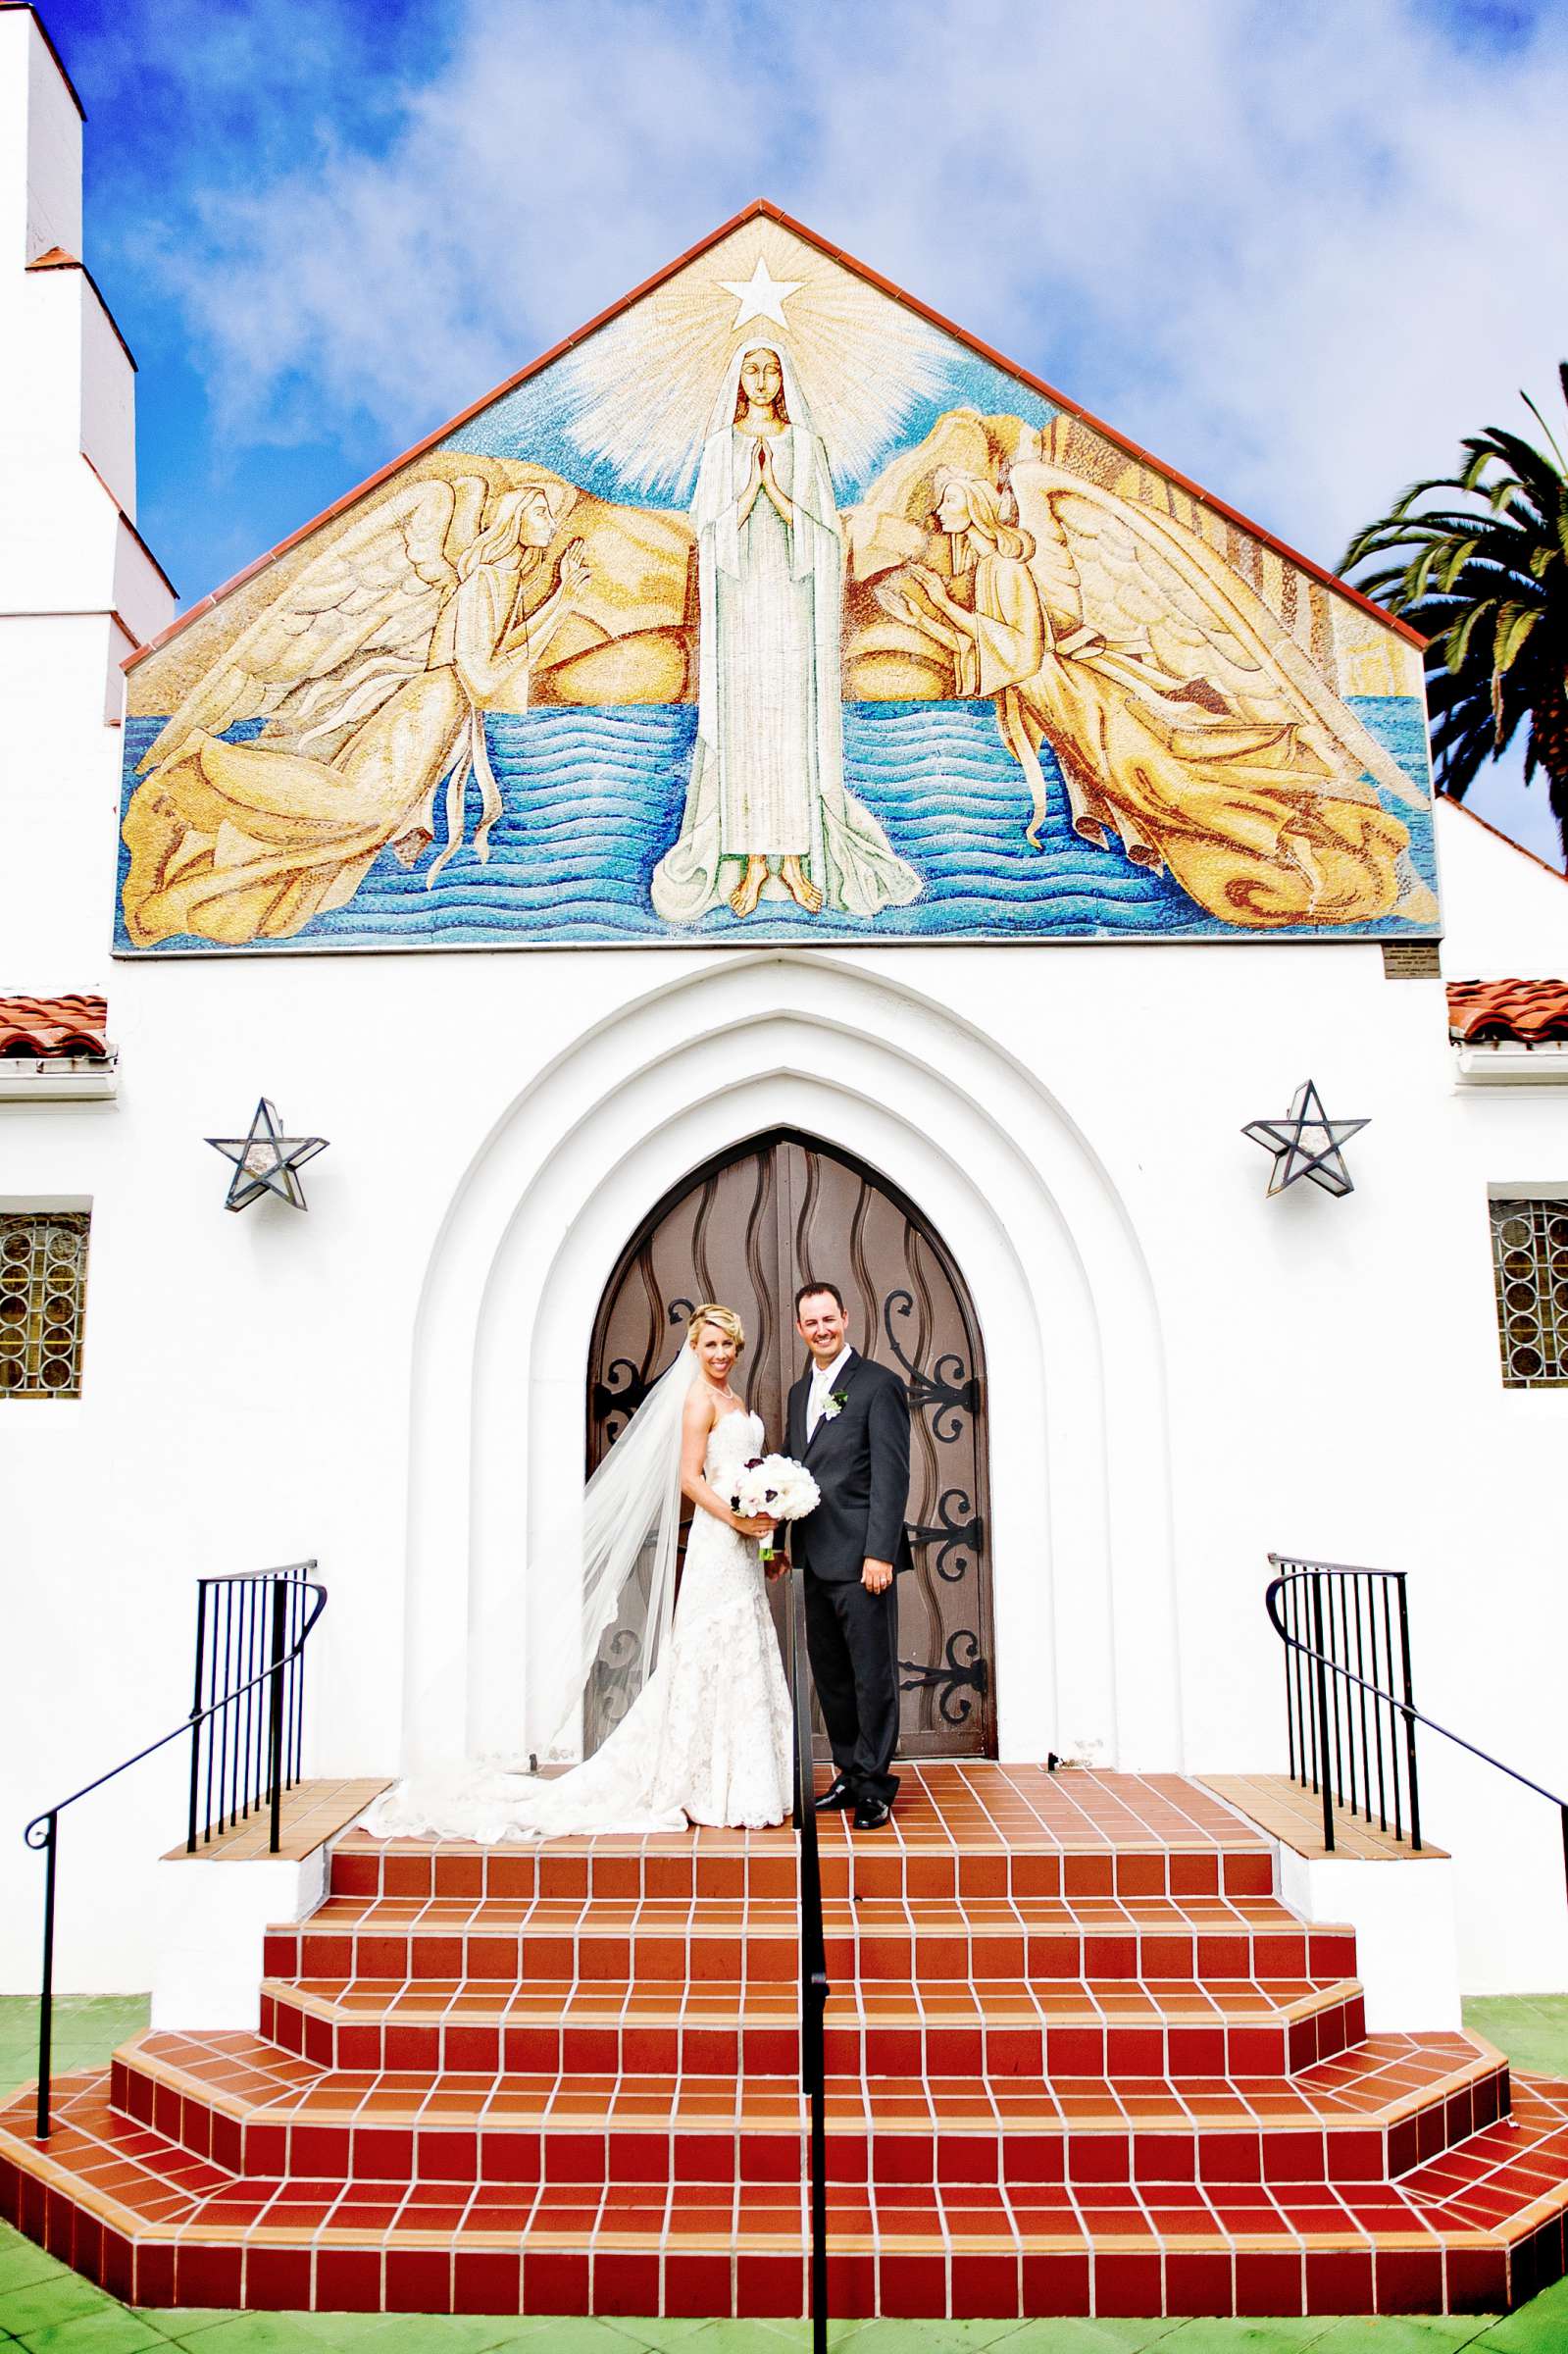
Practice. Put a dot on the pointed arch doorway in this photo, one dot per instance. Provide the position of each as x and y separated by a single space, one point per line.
746 1228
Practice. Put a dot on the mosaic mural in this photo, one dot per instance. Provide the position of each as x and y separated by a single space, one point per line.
773 610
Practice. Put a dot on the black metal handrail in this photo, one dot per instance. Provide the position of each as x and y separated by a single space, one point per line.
1360 1620
246 1625
42 1833
813 1962
1323 1725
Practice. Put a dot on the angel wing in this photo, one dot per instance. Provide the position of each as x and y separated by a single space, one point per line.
1159 594
346 630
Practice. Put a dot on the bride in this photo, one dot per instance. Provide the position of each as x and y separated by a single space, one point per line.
708 1737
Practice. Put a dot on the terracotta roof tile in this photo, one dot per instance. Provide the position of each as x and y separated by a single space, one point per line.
38 1026
1534 1013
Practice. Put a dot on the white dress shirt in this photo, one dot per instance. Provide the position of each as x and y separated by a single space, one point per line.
824 1380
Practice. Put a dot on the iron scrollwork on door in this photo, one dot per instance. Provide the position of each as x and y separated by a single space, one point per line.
958 1528
949 1388
621 1391
624 1387
616 1680
952 1678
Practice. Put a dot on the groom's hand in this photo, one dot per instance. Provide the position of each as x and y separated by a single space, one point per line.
876 1576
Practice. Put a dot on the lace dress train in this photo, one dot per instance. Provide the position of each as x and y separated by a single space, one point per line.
707 1740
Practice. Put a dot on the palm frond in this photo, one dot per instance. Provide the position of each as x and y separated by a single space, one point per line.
1514 624
1562 462
1456 640
1478 561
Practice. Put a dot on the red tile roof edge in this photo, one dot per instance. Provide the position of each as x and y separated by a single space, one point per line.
44 1026
761 209
1534 1013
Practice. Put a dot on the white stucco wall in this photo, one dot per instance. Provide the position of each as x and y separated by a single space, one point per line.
1184 1373
1504 915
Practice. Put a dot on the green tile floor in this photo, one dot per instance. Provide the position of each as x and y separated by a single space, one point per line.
48 2310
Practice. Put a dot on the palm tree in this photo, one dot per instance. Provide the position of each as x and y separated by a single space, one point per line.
1487 581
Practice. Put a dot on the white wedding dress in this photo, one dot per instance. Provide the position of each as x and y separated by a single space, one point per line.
708 1739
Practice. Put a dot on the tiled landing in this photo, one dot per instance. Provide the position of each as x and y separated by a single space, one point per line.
559 2081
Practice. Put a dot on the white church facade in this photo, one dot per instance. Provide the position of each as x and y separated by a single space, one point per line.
432 831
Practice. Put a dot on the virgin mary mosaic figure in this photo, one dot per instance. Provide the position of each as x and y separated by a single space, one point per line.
767 796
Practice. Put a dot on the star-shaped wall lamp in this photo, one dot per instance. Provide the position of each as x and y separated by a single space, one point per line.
267 1161
1306 1143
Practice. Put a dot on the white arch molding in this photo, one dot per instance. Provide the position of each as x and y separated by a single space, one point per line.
1082 1552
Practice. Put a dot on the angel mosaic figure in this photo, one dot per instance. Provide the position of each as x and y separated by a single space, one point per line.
372 670
767 789
1191 728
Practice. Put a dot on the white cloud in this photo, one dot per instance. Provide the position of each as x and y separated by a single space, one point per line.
1296 251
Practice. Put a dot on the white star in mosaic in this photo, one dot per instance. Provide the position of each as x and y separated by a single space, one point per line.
761 296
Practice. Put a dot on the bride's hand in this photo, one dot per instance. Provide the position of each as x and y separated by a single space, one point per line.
759 1525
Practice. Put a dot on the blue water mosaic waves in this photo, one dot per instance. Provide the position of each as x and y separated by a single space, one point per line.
594 800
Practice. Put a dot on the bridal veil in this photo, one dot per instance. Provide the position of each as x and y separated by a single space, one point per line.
595 1651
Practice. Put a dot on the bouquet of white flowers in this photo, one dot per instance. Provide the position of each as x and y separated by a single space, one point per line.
773 1487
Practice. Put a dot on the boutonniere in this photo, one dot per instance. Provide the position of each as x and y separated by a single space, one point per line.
834 1406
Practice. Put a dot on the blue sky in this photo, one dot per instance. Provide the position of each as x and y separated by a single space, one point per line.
1295 252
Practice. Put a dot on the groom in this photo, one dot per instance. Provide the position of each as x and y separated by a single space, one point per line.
849 1424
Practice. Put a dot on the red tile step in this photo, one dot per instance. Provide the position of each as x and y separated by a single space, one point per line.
1083 2062
1364 2117
1477 2229
654 1939
997 2029
762 1864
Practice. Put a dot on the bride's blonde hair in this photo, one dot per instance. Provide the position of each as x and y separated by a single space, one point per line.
724 1318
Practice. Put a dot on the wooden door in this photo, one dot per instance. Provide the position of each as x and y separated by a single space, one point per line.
745 1230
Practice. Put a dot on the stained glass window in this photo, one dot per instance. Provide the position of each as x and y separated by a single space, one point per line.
1530 1264
43 1291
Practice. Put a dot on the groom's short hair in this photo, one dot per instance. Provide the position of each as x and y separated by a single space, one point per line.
809 1291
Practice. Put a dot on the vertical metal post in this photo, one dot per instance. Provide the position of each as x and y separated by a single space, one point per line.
296 1680
195 1715
246 1698
1393 1717
1321 1648
1337 1648
813 1970
1299 1763
46 1997
208 1732
1409 1720
276 1711
1378 1702
1361 1593
227 1712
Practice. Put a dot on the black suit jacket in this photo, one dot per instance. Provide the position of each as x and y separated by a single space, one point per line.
859 1459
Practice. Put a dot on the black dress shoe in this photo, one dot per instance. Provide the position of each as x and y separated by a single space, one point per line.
871 1814
837 1795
